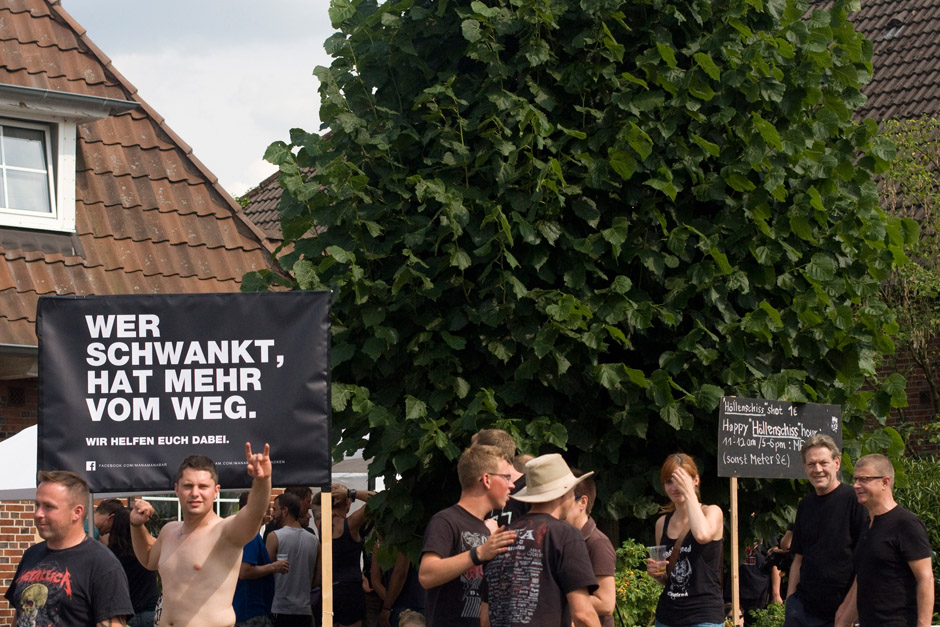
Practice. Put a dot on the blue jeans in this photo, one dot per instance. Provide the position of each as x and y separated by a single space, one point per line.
659 624
796 615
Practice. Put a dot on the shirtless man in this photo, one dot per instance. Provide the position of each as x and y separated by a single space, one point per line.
199 558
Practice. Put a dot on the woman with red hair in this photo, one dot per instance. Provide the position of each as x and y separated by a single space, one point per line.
692 533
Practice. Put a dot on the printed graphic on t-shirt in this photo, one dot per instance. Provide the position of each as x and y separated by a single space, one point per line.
516 600
680 576
41 590
471 579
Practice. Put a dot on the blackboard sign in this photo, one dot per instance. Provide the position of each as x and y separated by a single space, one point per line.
762 439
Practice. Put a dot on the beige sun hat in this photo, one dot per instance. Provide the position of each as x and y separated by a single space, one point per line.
546 478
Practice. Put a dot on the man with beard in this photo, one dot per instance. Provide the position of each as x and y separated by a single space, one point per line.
68 579
299 547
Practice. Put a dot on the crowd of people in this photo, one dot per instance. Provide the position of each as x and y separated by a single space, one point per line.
519 547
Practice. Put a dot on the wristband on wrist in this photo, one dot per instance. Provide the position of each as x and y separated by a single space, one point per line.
352 494
137 525
474 557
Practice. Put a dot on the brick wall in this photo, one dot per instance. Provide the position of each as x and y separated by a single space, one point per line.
16 535
919 413
19 400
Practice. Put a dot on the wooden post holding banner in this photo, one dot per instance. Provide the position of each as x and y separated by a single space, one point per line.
326 553
761 438
735 590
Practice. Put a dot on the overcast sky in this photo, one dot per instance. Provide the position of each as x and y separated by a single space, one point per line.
229 76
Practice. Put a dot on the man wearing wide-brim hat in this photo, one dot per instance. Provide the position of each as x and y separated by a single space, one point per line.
546 576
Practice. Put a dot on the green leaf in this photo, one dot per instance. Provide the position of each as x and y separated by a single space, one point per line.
705 62
623 164
767 131
667 54
639 141
739 182
712 149
415 409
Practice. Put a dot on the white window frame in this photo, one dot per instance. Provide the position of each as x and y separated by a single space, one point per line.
60 151
36 219
60 113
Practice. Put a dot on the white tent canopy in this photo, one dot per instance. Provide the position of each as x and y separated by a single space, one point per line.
18 481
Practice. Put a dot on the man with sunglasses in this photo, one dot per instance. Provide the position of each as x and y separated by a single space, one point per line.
894 576
829 522
457 542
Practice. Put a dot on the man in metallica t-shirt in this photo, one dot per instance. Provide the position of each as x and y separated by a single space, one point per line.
68 579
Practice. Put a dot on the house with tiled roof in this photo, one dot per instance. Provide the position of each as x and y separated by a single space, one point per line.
97 196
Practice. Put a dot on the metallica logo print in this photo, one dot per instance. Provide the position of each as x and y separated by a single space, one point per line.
44 589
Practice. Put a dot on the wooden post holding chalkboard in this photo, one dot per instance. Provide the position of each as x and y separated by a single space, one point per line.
326 555
762 439
735 586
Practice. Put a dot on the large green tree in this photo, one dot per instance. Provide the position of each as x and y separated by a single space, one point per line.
584 221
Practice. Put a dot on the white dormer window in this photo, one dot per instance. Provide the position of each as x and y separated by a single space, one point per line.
37 154
27 185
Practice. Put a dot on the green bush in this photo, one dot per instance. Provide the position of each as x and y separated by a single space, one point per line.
920 493
770 616
637 593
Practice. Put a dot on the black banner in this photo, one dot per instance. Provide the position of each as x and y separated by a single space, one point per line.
130 385
763 439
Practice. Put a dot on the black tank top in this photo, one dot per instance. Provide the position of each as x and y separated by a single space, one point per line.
693 593
346 555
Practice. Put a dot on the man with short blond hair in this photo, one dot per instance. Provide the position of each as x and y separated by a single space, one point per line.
829 522
502 440
68 579
457 541
894 577
199 557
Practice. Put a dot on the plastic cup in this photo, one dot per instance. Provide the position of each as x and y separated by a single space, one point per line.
658 554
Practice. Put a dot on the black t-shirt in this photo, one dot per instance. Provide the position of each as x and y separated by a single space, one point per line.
753 581
142 583
513 510
78 586
456 603
528 584
887 590
825 533
693 592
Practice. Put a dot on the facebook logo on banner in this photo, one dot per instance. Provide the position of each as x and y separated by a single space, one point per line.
89 466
